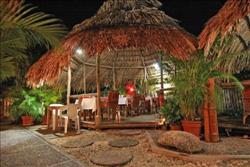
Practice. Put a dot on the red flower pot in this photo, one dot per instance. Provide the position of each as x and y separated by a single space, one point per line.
193 127
27 120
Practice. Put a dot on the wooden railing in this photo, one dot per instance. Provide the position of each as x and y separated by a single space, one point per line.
232 100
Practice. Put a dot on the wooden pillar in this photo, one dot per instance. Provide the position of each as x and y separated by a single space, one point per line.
206 119
84 78
98 90
69 85
213 123
145 86
161 66
161 96
114 80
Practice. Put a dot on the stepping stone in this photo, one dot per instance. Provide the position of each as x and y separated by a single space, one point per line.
70 133
77 143
123 143
111 158
127 132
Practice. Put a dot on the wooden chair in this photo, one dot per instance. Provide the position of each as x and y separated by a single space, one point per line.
71 115
142 104
246 108
156 104
135 105
148 106
112 104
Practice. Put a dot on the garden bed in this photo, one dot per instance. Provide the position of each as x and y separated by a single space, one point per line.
142 153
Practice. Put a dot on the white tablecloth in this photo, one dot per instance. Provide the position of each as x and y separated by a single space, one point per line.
89 103
122 101
56 105
150 99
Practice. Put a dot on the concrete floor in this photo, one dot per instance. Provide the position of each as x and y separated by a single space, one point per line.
20 147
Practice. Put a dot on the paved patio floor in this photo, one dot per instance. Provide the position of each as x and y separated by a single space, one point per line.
20 147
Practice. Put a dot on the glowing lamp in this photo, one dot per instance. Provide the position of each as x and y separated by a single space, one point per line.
79 51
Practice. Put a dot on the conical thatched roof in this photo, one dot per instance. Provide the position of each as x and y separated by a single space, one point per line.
232 25
125 33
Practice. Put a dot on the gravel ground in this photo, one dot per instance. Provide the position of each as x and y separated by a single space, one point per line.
143 157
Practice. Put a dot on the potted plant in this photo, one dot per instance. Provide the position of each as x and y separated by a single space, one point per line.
46 96
190 86
171 113
30 108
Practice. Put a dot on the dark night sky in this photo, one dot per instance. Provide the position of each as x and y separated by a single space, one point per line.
192 14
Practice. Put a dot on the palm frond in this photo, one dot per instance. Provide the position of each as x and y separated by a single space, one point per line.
37 27
22 27
7 69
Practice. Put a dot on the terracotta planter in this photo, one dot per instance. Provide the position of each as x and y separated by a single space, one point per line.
193 127
27 120
175 127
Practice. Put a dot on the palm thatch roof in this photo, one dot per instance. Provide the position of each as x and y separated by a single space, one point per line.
126 34
232 26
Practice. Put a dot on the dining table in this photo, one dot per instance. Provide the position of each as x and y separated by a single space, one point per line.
88 104
53 111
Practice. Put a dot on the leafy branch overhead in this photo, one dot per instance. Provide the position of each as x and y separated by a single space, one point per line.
23 27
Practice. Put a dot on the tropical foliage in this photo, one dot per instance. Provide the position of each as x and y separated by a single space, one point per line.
33 102
22 27
190 81
171 111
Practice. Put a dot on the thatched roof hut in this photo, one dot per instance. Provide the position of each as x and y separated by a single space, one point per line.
126 34
232 25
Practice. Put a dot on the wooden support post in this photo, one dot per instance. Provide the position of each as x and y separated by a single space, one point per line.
98 89
145 88
206 119
114 82
69 85
214 131
161 66
145 74
161 97
84 78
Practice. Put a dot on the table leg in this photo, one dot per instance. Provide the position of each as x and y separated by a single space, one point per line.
56 119
48 118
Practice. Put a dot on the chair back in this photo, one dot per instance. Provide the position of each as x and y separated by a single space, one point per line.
113 97
72 110
136 101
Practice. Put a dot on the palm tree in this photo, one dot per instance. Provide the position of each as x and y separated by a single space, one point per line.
22 28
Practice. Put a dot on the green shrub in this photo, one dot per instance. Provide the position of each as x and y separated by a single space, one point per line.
171 111
33 102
